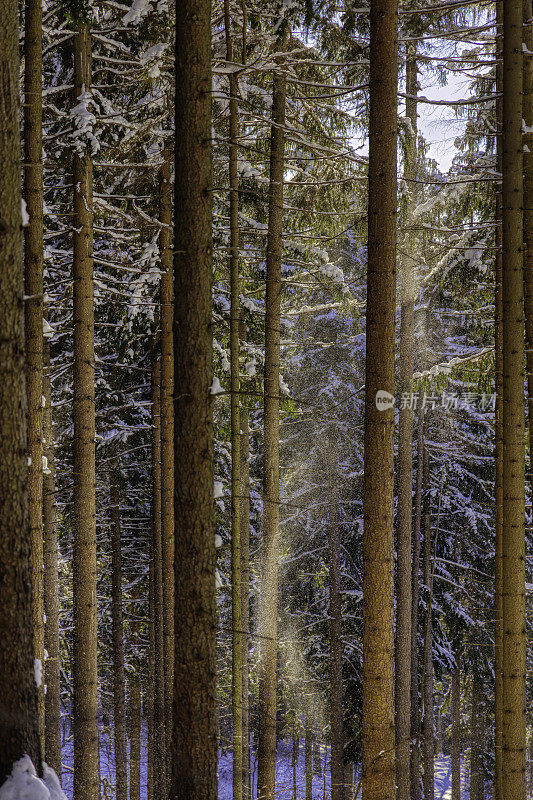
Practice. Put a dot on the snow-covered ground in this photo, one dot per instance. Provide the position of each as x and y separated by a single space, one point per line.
284 774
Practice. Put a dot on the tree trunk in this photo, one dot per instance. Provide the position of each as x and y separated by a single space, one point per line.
52 727
245 599
167 439
378 536
135 735
194 741
513 517
266 779
236 599
405 458
428 731
159 757
85 721
33 307
456 728
415 593
335 649
119 689
476 741
308 757
498 436
148 700
17 684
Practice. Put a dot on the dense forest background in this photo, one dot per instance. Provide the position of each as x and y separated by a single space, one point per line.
265 368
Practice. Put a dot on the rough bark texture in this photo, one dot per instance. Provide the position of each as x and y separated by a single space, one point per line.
405 457
335 648
428 730
159 754
85 719
135 735
498 439
167 438
119 687
236 600
476 740
378 536
415 593
33 317
51 583
245 599
456 728
148 699
18 710
513 517
308 757
194 741
269 590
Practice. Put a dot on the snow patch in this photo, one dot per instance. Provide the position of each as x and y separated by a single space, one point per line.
24 784
24 213
38 671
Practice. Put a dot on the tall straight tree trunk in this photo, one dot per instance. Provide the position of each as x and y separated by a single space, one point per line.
335 648
245 599
194 741
119 688
378 536
308 756
405 457
148 698
159 755
266 776
498 435
33 289
85 721
167 437
52 726
17 684
135 702
456 727
415 593
476 740
236 600
428 730
528 219
513 518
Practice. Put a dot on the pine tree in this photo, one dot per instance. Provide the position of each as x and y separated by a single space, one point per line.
378 537
194 740
17 674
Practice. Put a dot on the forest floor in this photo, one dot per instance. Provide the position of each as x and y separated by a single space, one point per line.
284 774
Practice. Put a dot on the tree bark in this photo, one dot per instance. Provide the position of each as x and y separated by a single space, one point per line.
513 517
308 757
135 733
167 438
266 779
335 649
194 741
19 723
498 433
476 740
456 728
119 688
428 729
159 756
415 593
236 599
378 535
33 307
148 699
85 719
245 599
405 457
52 728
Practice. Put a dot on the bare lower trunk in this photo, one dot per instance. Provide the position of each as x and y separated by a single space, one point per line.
135 737
476 741
456 729
85 722
269 593
378 535
119 688
335 650
245 599
513 517
194 740
308 757
33 288
19 729
159 754
51 584
428 729
415 589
